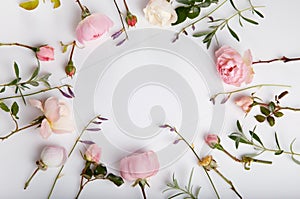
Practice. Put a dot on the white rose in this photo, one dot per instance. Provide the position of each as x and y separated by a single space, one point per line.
160 12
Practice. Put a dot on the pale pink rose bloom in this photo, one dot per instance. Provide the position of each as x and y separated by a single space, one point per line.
160 13
211 140
58 116
93 153
45 53
232 68
53 156
139 166
244 102
93 27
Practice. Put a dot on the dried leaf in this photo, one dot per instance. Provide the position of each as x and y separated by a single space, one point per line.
56 3
29 5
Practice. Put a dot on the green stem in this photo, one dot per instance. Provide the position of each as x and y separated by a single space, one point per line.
228 181
198 158
34 93
142 186
274 150
32 175
121 19
247 88
70 153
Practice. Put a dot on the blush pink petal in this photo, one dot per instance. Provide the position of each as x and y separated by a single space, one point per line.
65 123
54 156
141 165
36 103
93 153
45 53
93 27
51 109
45 130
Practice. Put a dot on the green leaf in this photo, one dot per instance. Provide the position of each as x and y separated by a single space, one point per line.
34 83
182 13
278 114
4 107
29 5
256 137
239 126
186 2
2 89
193 12
205 4
35 73
293 153
56 3
259 13
264 110
232 4
14 109
278 152
272 106
260 118
271 120
13 82
249 20
201 34
277 142
16 68
233 33
117 180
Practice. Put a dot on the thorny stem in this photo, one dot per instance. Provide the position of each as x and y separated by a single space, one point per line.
228 181
121 19
80 5
34 93
277 108
246 88
18 130
30 178
143 190
198 158
70 153
284 59
72 50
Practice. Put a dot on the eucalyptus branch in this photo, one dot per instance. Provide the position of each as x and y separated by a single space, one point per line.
229 93
72 149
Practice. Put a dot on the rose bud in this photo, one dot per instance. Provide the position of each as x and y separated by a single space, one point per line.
93 154
245 102
131 19
45 53
70 69
212 140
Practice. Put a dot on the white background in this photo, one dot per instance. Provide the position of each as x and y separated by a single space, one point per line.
275 36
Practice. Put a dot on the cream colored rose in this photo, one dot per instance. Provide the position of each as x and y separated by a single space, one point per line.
160 13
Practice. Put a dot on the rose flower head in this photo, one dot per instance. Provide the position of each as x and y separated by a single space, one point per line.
160 13
232 67
53 156
245 102
93 153
212 140
139 166
93 27
58 117
45 53
130 19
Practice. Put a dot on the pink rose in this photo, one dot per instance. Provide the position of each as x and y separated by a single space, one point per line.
58 116
45 53
232 68
53 156
245 102
93 153
212 140
92 27
139 166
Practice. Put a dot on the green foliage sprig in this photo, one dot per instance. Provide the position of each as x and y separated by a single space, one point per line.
254 140
187 192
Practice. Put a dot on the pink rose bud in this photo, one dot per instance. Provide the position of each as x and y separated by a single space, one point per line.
45 53
232 68
139 166
131 19
53 156
92 27
70 69
245 102
212 140
93 153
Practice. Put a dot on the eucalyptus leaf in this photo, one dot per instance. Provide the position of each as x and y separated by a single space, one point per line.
14 109
264 110
278 114
29 5
260 118
271 120
233 33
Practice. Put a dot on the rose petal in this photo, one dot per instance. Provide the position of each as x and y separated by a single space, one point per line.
45 130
